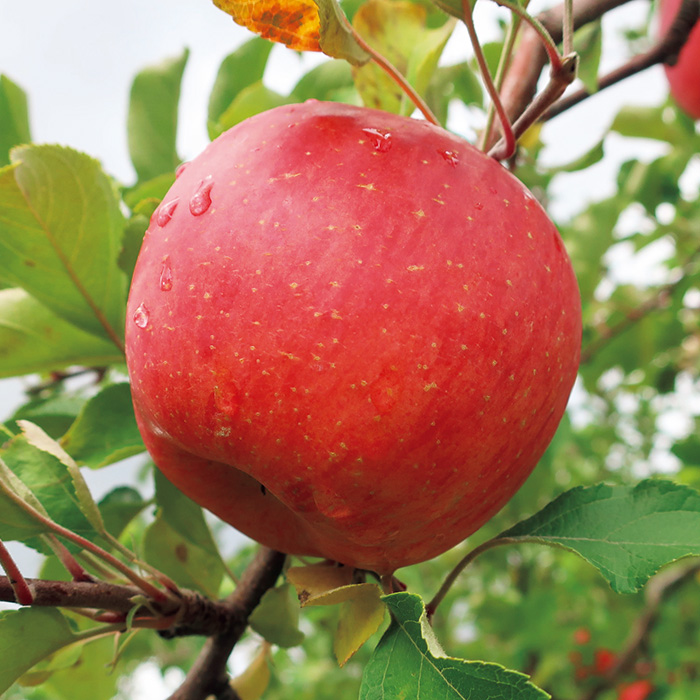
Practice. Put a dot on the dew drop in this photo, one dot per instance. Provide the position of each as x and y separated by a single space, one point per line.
201 199
141 316
180 169
166 211
381 140
478 206
166 276
452 157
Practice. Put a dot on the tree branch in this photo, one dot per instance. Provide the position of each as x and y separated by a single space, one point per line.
665 50
208 675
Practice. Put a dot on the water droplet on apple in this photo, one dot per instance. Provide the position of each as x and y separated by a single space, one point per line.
141 316
384 392
166 211
381 140
201 199
452 157
478 205
180 169
166 276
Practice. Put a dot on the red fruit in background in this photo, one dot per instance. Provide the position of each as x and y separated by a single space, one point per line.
582 635
604 660
637 690
350 334
684 76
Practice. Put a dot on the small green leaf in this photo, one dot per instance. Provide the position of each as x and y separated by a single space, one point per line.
651 123
250 101
187 564
588 44
276 618
131 244
36 437
252 683
53 414
34 339
336 39
152 120
60 235
26 637
105 431
238 71
14 118
332 81
49 482
409 663
360 617
15 522
590 157
627 533
149 191
119 507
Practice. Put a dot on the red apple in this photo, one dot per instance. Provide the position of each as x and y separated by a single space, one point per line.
350 334
637 690
684 76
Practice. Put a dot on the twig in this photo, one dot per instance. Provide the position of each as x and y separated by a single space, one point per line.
665 50
521 80
208 675
21 592
431 607
657 591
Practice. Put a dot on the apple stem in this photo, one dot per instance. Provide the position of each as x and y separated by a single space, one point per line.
394 74
23 594
488 81
503 63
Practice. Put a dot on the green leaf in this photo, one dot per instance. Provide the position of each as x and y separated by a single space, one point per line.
332 81
37 438
26 637
276 618
131 244
238 70
250 101
15 522
105 431
53 414
119 507
152 120
187 564
14 118
148 194
588 44
189 539
651 123
409 663
627 533
60 235
336 39
592 156
34 339
51 484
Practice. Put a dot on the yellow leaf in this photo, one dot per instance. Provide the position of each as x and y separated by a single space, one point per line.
318 579
253 682
360 618
302 25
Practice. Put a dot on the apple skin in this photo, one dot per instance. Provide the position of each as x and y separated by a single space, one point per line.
684 76
361 344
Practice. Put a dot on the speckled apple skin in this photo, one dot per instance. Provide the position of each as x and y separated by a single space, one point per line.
364 343
684 76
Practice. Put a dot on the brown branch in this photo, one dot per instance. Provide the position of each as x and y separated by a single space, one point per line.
665 50
659 589
520 83
208 675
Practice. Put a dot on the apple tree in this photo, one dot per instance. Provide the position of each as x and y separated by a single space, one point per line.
350 329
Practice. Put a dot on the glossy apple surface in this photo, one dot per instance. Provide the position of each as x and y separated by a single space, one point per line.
350 334
684 76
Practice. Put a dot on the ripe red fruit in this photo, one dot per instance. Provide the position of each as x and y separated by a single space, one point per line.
637 690
604 660
350 334
684 76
